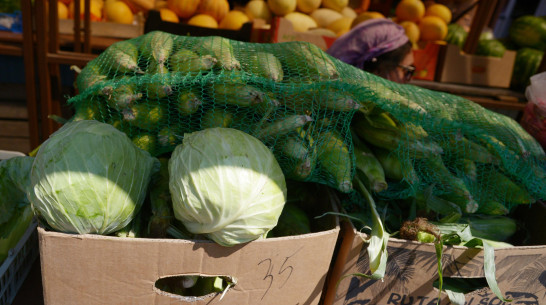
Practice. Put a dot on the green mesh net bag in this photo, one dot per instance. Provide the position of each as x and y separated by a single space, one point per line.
159 86
314 112
437 145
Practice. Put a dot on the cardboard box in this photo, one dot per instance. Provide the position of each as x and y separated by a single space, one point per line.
283 31
457 67
95 269
412 270
105 29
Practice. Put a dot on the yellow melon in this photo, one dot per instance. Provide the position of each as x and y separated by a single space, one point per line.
341 25
183 8
349 12
410 10
365 16
307 6
324 16
118 11
282 7
439 10
233 20
168 15
336 5
432 28
215 8
258 9
203 20
412 30
301 21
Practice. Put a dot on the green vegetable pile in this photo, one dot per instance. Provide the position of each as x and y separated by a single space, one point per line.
453 191
15 210
220 184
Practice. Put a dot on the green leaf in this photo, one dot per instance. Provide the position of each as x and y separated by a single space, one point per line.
439 205
6 211
377 248
451 232
477 243
12 231
339 214
451 218
439 246
14 181
489 270
456 298
460 234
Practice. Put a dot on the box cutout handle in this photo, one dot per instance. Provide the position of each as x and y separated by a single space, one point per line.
193 287
462 285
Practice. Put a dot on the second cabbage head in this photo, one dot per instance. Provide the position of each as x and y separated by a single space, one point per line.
226 185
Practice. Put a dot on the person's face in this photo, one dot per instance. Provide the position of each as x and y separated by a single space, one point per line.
404 71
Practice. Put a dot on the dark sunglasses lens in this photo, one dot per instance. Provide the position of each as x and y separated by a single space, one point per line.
409 72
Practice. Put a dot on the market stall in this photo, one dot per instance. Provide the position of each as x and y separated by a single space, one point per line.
191 166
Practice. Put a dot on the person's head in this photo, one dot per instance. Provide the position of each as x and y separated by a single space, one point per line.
378 46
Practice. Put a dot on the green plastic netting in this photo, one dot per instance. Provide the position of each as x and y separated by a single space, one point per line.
307 107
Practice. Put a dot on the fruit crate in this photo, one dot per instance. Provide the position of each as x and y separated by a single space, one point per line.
155 23
16 267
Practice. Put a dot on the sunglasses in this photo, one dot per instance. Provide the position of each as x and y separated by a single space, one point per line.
409 71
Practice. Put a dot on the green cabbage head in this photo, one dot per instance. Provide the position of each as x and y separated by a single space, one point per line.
88 177
226 185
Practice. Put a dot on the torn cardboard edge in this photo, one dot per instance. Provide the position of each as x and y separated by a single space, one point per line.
412 270
192 299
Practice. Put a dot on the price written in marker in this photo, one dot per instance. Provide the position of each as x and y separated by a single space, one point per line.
278 276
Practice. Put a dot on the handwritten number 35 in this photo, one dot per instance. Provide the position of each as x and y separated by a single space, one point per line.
269 275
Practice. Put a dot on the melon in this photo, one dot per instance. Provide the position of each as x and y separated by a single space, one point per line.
529 31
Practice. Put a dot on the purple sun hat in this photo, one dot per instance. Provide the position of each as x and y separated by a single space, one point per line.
368 40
